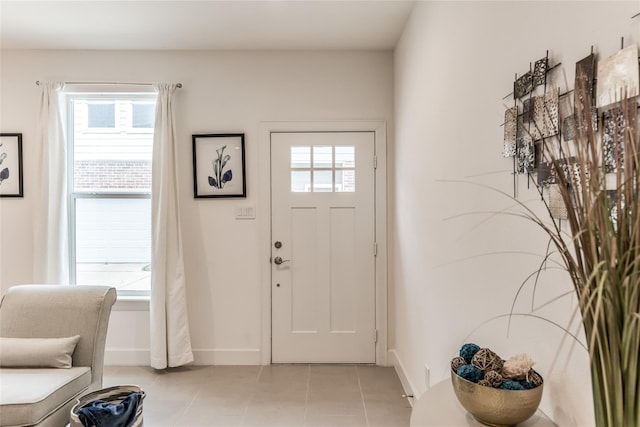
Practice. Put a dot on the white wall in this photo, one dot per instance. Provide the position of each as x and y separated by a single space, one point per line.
453 65
223 92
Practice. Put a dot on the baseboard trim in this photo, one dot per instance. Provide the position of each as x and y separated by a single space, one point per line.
227 356
408 387
141 357
127 357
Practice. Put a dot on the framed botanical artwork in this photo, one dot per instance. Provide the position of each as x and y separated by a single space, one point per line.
218 165
10 165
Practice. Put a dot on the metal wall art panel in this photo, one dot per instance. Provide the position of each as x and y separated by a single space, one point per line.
523 85
527 110
551 113
540 72
614 197
571 172
613 138
538 148
537 128
618 76
557 206
510 132
582 123
569 130
546 175
585 76
525 154
545 115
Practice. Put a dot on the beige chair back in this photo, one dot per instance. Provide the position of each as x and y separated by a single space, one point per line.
54 311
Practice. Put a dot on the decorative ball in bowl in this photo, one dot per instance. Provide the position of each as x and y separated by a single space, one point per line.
485 390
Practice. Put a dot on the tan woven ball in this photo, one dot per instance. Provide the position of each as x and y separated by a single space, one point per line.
494 378
534 378
456 362
487 360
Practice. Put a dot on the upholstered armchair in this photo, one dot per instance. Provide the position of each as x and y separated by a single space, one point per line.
52 341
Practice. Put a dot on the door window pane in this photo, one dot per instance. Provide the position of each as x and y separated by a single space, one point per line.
345 157
300 157
300 181
322 156
345 181
332 168
322 181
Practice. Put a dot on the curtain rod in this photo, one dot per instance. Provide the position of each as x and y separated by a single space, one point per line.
179 85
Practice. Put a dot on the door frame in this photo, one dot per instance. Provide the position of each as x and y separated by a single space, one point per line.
379 128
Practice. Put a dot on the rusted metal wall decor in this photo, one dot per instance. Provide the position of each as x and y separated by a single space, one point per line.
618 76
543 117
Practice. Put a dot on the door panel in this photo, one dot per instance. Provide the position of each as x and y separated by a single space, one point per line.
323 293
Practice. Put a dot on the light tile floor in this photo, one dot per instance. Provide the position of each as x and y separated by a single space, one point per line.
268 396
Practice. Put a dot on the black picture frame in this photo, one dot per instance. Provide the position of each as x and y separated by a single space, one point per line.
219 165
11 165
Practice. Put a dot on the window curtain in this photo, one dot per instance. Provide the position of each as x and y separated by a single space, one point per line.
51 228
170 338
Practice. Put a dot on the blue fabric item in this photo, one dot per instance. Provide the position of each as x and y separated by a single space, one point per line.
104 414
468 350
511 385
470 373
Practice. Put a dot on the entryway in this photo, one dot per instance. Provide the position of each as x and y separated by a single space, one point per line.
271 395
323 248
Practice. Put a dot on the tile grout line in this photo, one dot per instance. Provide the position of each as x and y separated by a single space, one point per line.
364 406
306 396
246 408
185 411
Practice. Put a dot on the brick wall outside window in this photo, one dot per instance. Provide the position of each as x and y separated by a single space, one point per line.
112 175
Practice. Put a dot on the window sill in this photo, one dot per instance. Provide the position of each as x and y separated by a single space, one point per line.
132 303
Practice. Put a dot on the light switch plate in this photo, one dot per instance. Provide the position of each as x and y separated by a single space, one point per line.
245 212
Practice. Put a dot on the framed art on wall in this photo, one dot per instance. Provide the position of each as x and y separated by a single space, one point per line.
218 165
10 165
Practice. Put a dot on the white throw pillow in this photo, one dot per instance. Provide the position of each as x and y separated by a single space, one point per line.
37 352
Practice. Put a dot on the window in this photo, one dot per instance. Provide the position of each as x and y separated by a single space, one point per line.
143 115
101 115
323 168
111 140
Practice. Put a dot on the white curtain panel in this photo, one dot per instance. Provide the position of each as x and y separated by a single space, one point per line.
170 338
51 229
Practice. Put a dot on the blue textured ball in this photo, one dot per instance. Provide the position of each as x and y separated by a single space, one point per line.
469 350
470 373
511 385
527 385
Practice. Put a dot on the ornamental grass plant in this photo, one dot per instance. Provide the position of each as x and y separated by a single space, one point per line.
598 178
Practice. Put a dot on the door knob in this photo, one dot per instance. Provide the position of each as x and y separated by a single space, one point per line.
278 260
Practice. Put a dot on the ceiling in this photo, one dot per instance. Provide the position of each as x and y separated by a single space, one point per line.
204 24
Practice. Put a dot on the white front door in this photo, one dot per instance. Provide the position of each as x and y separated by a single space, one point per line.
323 247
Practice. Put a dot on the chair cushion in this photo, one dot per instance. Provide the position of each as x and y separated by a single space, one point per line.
37 352
28 395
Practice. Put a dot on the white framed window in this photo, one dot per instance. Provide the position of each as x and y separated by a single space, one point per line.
142 116
110 138
101 115
323 169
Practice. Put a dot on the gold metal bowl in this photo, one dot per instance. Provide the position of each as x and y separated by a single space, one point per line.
494 406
